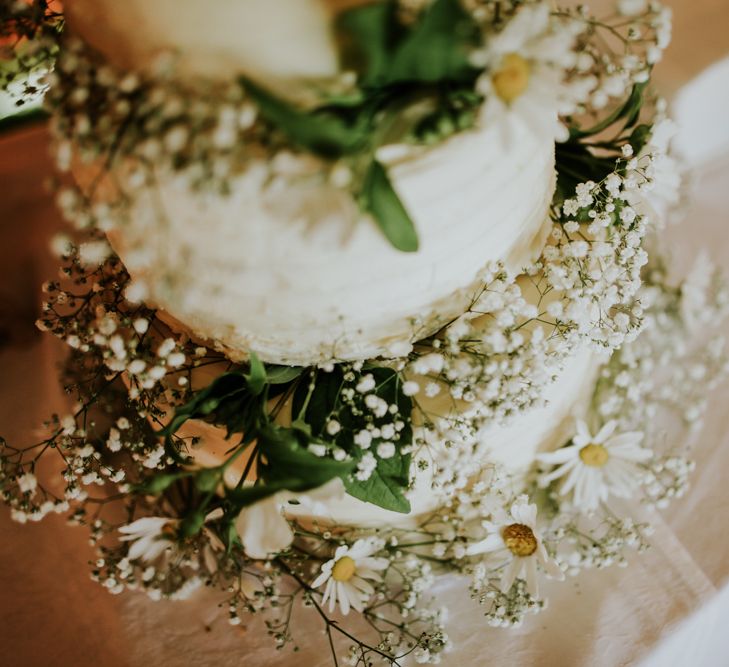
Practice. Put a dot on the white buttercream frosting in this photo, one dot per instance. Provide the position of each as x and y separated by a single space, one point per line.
295 273
251 270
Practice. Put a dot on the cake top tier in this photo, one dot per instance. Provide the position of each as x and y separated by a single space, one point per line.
287 261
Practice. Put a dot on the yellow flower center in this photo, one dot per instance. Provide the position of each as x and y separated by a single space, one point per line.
343 569
519 539
594 455
512 78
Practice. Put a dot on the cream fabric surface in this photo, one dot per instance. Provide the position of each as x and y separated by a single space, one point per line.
668 609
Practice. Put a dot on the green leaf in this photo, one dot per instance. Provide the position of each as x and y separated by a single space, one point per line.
282 374
576 164
159 483
639 137
368 35
435 50
256 377
208 479
387 484
204 402
192 524
379 198
320 131
630 110
322 401
381 490
249 495
284 458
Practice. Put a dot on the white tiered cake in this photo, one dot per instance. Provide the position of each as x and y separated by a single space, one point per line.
300 277
360 288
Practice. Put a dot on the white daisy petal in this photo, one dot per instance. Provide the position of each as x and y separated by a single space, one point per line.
510 574
605 432
343 595
583 436
560 471
530 567
492 542
561 455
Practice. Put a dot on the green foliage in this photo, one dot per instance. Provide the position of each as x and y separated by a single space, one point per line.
160 483
386 486
579 160
433 51
436 49
285 459
238 400
325 132
380 199
398 66
629 111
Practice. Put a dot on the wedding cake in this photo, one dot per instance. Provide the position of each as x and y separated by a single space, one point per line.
358 288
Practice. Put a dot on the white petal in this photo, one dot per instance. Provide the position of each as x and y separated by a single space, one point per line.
549 565
359 584
342 593
559 455
263 530
328 592
630 438
560 471
530 565
323 576
605 432
572 479
510 573
524 512
216 514
139 548
334 593
372 563
583 435
145 525
492 542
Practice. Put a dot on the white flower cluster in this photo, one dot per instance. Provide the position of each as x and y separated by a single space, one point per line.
678 358
496 359
599 545
101 111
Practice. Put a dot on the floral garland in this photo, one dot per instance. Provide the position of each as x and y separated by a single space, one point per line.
364 428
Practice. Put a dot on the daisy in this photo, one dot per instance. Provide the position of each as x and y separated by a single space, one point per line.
150 537
524 80
346 575
515 538
597 466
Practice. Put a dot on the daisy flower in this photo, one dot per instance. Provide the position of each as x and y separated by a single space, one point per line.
150 536
347 573
596 466
514 538
524 79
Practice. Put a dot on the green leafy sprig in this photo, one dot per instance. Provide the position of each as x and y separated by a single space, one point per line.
423 66
586 155
282 455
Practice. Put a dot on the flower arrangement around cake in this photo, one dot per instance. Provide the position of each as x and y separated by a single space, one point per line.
193 465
